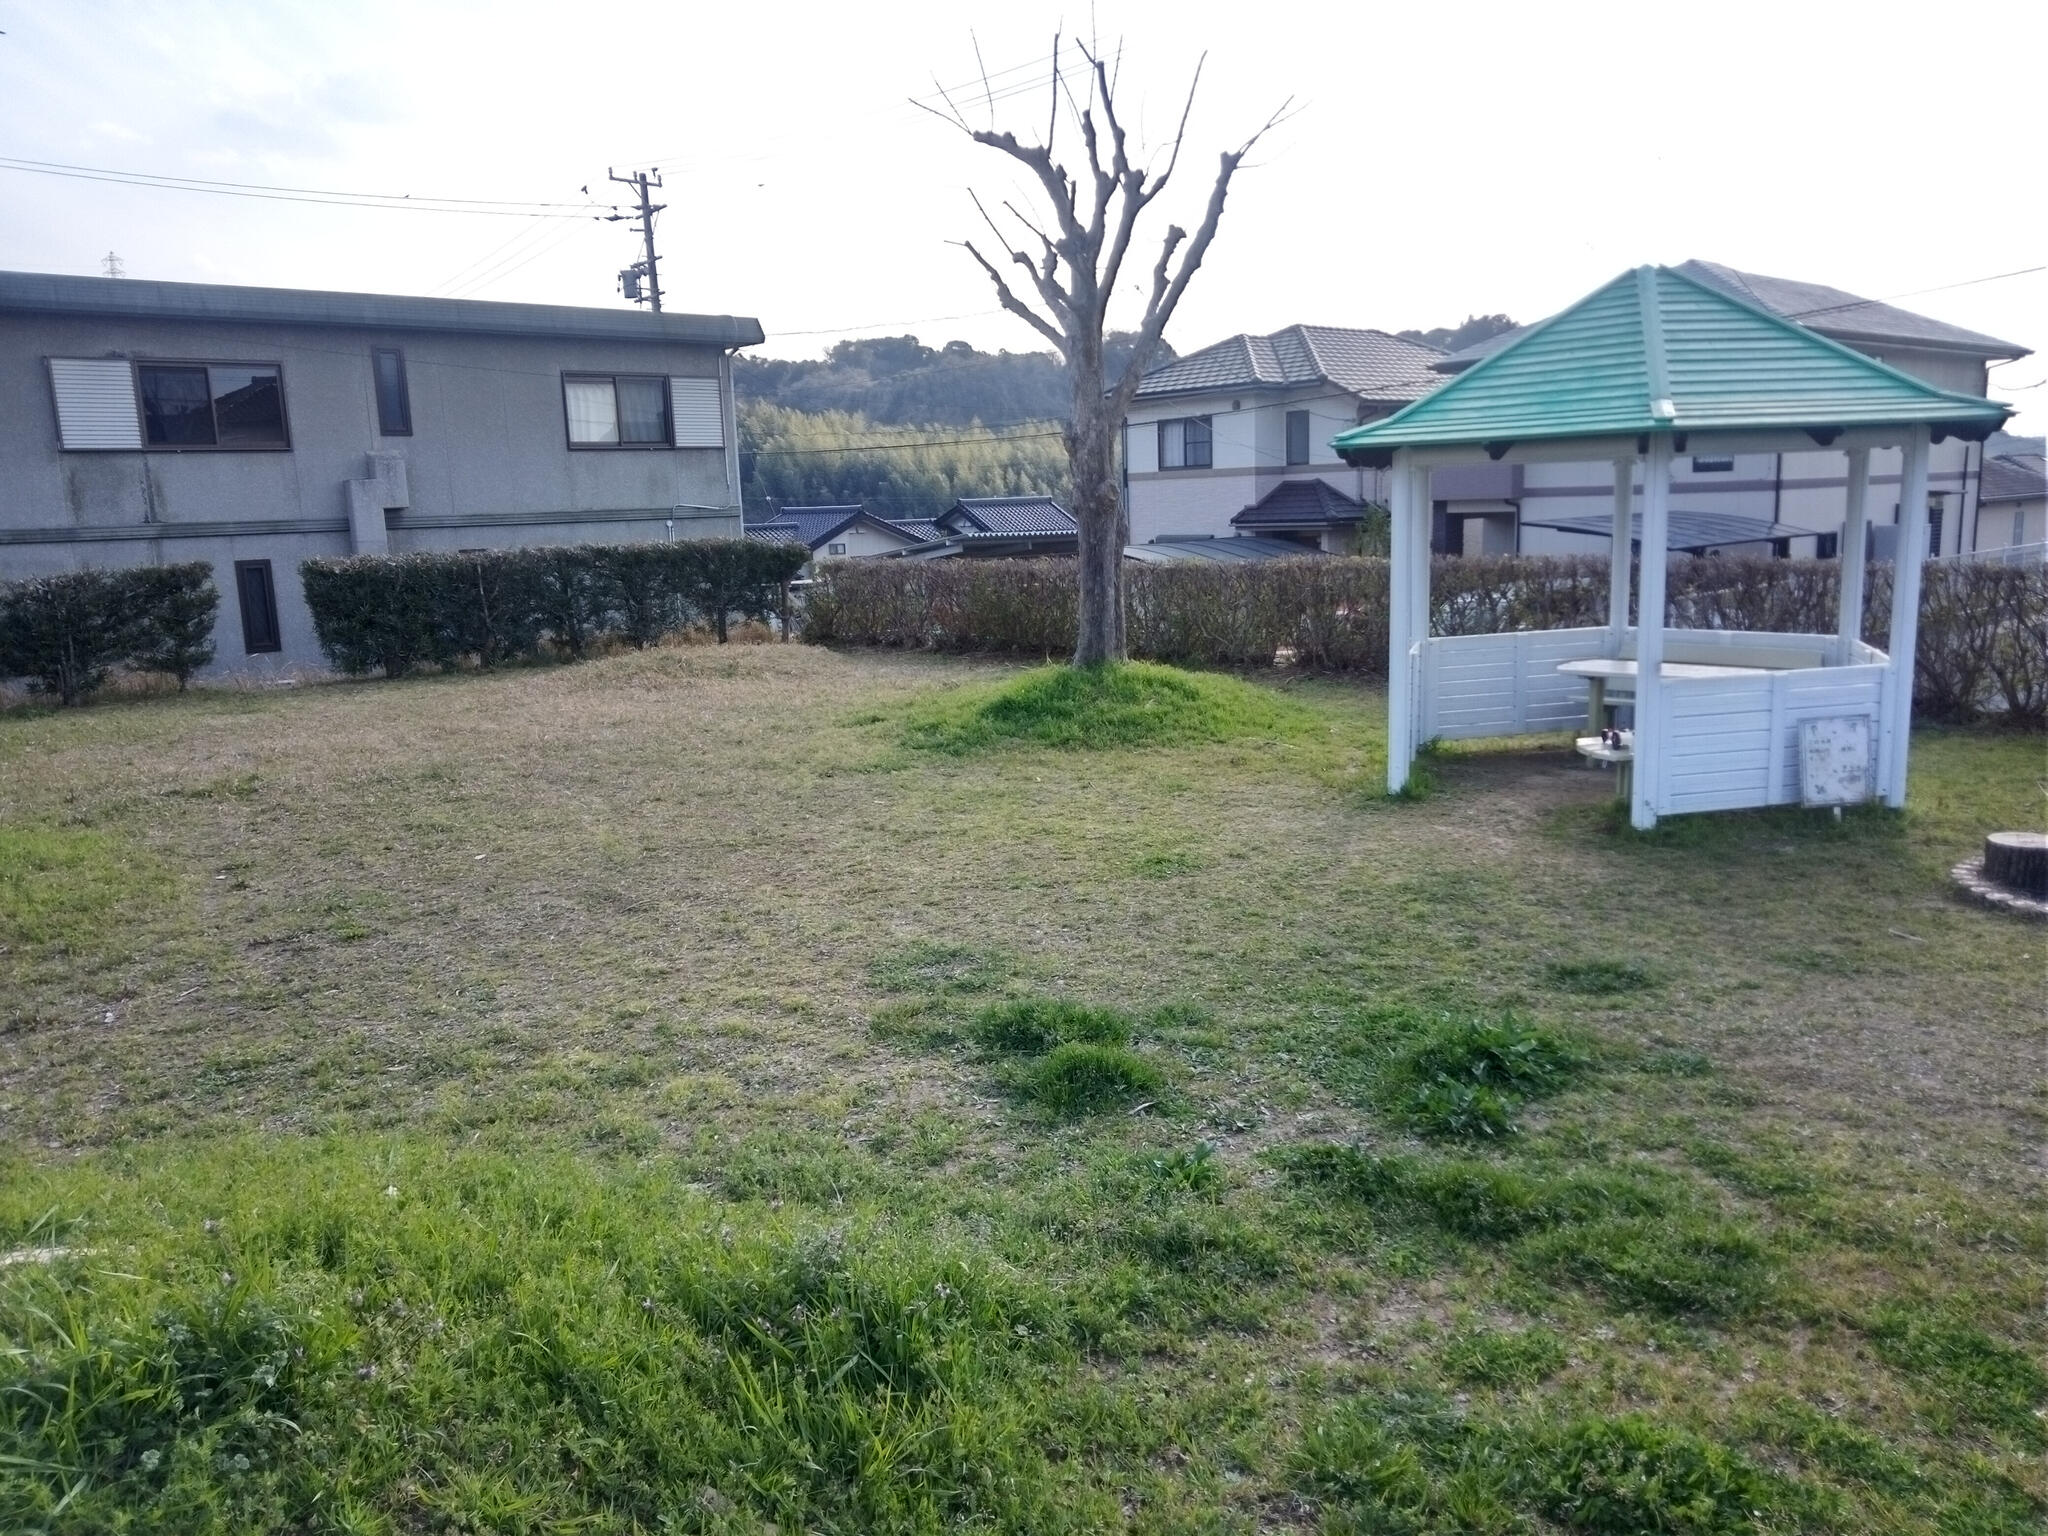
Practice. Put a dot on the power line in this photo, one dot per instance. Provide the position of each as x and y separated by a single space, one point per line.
882 325
395 202
928 442
1911 293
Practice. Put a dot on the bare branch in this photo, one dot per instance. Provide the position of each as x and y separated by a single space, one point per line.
1055 298
1017 306
988 94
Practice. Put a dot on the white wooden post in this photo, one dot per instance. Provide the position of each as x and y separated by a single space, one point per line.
1402 533
1617 571
1420 553
1851 556
1897 732
1649 743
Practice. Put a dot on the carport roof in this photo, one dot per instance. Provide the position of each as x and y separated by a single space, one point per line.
1657 350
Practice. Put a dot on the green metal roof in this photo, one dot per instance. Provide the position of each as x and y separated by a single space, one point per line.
1656 351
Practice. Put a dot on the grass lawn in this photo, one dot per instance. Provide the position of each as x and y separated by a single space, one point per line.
752 1089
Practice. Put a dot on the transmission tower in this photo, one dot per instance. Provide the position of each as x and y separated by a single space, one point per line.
111 265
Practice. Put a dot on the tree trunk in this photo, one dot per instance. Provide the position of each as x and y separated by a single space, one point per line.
1099 509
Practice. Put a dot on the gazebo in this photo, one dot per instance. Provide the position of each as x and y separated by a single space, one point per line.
1651 365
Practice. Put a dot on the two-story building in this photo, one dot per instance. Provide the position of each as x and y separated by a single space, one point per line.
147 422
1235 438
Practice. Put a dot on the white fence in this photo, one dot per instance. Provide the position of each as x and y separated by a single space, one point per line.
1731 742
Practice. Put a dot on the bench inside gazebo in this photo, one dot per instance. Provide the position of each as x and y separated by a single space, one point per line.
1647 367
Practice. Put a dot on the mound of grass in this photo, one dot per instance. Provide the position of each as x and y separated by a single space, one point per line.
1680 1265
1491 1357
1080 1078
1126 704
1031 1026
1463 1078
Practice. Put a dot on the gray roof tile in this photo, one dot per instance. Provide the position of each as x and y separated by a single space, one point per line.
1006 514
1301 504
1371 364
2015 477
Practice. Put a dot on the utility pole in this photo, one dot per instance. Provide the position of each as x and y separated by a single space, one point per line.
629 279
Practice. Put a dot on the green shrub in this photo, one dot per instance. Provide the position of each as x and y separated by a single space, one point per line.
1497 1358
1128 704
394 613
67 633
178 605
1983 628
1679 1265
1029 1026
1079 1078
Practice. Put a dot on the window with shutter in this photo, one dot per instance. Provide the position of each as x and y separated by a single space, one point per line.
698 412
95 404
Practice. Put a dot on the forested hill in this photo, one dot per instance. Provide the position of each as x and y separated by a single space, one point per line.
899 379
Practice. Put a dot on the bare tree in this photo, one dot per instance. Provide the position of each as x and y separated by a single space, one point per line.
1074 274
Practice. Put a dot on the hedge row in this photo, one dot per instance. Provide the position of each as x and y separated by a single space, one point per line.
66 633
1983 628
396 613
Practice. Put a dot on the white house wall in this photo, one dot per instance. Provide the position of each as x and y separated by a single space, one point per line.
1249 455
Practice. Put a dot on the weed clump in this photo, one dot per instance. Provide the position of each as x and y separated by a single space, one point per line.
1965 1372
1475 1199
1123 704
1626 1474
1081 1078
1501 1358
1029 1026
935 969
1600 978
1463 1078
1397 1464
1678 1264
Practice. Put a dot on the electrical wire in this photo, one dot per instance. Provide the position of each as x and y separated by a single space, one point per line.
1968 282
395 202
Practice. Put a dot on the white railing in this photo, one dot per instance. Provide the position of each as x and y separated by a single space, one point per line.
2011 554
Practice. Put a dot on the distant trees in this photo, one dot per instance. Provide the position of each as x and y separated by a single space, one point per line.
1455 338
837 458
899 379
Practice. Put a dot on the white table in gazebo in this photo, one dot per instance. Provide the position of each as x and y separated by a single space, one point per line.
1651 365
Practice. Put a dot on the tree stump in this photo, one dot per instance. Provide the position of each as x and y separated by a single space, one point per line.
2018 860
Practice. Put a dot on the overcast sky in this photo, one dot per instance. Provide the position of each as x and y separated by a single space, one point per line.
1448 159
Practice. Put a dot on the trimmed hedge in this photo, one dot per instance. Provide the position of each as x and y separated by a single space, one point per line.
1983 628
65 634
397 613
